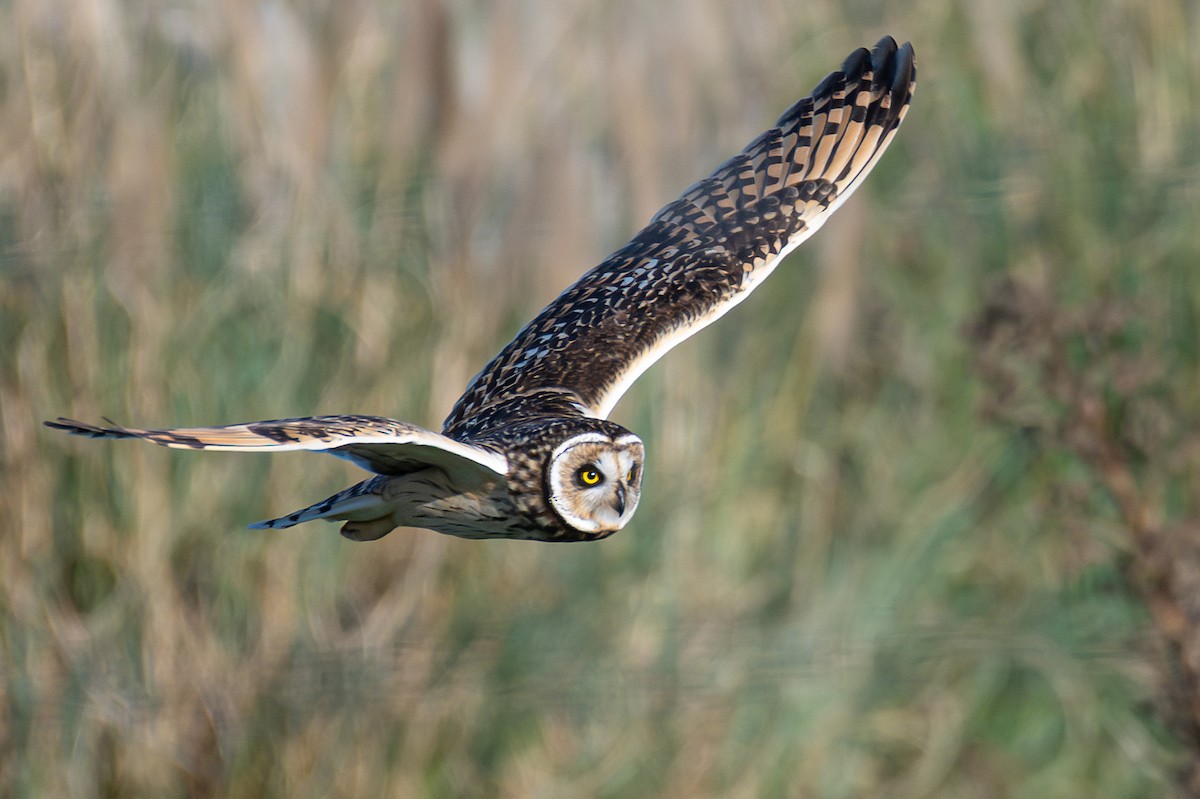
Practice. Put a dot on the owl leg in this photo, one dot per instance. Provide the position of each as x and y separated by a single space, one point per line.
369 529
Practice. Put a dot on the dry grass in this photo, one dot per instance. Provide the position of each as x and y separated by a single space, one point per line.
845 579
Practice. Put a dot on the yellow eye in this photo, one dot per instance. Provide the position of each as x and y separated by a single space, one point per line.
633 471
589 476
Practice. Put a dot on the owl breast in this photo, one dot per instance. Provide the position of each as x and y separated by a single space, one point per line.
430 499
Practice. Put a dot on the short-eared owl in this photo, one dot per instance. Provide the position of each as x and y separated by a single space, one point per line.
527 451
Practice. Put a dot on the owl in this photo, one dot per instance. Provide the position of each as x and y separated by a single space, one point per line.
527 452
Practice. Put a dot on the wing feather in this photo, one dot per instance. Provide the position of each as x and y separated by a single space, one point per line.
375 443
703 253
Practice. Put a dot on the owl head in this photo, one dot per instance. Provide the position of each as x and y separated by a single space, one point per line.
595 480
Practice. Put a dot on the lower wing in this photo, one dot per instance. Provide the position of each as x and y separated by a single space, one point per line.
377 444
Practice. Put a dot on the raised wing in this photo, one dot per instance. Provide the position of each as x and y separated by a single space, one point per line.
377 444
705 252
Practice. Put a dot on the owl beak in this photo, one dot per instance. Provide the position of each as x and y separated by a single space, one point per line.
619 504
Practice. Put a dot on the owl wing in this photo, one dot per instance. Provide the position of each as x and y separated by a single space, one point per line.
705 252
377 444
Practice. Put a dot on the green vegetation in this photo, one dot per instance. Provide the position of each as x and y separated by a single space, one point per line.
900 505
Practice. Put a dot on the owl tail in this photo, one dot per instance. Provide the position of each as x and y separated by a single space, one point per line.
367 515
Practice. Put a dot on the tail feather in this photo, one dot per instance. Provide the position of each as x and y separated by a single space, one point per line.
361 502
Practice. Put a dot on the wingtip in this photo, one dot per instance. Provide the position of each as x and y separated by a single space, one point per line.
883 51
77 428
893 66
906 68
887 48
891 59
856 64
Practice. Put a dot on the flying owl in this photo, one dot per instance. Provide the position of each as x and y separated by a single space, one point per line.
527 451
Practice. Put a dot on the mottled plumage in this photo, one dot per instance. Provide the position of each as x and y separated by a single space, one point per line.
526 452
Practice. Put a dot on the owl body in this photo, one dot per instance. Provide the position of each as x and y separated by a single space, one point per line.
543 496
527 451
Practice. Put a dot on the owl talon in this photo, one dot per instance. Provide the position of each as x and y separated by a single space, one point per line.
370 530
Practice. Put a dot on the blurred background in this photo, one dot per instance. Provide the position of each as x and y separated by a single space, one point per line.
920 516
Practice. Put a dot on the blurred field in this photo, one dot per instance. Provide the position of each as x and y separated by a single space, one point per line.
883 549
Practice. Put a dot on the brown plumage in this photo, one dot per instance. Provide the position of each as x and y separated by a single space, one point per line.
705 252
526 452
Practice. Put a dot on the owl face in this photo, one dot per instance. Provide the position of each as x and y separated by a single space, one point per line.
595 481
